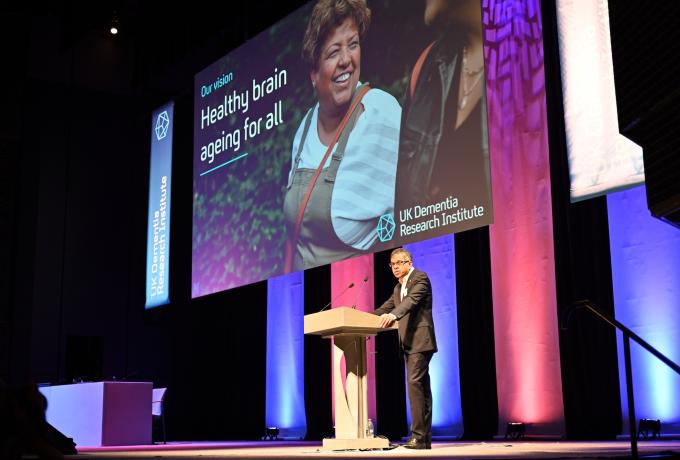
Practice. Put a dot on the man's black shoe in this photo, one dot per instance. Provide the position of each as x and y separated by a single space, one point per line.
414 443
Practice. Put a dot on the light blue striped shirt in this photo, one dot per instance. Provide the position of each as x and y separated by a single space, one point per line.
364 186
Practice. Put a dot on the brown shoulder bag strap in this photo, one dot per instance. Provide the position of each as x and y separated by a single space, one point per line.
292 240
415 74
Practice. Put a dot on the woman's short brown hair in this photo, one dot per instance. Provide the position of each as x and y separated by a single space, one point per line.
326 15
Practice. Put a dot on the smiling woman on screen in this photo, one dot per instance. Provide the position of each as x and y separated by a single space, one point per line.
344 153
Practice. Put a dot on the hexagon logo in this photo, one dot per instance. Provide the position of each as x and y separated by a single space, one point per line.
386 226
162 125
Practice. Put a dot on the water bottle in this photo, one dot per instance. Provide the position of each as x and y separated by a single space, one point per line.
369 430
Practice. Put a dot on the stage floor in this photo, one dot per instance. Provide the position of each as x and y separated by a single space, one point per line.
459 449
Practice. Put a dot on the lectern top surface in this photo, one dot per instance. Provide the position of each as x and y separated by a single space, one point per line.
343 320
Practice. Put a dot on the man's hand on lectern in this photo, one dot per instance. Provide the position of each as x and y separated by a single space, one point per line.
386 319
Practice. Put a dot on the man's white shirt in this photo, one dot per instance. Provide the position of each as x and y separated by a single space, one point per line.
404 290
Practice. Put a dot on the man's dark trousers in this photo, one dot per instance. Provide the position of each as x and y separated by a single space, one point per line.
419 395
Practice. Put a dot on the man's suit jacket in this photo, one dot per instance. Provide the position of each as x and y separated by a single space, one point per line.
414 312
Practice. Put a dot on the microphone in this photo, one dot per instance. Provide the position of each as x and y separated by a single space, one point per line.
351 285
363 285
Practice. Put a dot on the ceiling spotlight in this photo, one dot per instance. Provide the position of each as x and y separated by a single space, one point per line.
114 24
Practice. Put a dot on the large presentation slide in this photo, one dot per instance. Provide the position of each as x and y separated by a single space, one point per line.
346 128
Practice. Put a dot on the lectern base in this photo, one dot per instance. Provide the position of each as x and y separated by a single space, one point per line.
363 443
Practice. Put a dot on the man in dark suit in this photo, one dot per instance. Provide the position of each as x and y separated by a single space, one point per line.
411 305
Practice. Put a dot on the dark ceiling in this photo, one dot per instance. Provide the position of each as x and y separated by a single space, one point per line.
159 47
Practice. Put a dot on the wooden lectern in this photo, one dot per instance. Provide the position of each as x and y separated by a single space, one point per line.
349 329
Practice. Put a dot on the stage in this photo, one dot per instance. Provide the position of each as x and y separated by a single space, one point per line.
459 449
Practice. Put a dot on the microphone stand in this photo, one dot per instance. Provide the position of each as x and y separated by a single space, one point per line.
356 298
351 285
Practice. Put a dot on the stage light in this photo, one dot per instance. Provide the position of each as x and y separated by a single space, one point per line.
515 430
271 433
114 24
649 428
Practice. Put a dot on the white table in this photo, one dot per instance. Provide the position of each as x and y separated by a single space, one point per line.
101 413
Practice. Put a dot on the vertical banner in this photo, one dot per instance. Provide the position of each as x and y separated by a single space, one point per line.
528 370
646 279
285 389
158 227
600 158
436 257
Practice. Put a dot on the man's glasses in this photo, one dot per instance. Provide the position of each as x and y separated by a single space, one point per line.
397 263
